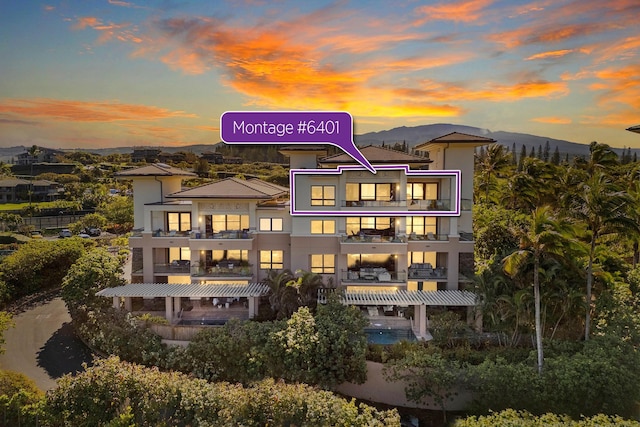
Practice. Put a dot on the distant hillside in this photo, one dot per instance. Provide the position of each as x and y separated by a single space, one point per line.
419 134
411 135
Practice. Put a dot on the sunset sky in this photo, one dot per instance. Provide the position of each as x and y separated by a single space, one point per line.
92 74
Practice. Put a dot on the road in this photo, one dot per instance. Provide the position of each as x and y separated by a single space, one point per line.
42 344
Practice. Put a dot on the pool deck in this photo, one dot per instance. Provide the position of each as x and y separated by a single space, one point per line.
394 322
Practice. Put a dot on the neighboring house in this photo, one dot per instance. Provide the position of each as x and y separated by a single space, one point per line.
14 190
148 155
166 157
212 157
43 155
401 237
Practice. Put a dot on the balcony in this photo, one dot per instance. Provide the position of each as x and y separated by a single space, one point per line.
427 272
225 234
171 233
375 244
373 275
430 205
174 267
413 237
223 269
373 203
373 238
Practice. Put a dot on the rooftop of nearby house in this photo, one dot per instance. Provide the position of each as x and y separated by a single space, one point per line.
14 182
154 169
234 188
457 137
377 155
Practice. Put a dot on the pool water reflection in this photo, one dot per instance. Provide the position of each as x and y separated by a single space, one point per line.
388 336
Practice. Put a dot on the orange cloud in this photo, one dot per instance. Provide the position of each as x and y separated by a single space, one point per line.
619 86
86 21
556 22
552 120
462 11
554 54
84 111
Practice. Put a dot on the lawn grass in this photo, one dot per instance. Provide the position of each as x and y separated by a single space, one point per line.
19 206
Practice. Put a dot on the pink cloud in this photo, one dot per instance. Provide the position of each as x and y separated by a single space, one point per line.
85 111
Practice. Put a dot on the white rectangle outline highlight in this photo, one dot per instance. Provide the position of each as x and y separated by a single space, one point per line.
408 172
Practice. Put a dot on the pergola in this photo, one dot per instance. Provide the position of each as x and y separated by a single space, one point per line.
173 292
419 299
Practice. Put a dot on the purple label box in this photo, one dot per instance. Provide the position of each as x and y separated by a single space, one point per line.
292 127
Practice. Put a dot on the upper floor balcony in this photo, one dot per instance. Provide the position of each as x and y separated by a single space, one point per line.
426 272
223 234
373 275
223 270
372 203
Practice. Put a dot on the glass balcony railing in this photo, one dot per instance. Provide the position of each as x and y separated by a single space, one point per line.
430 205
373 238
223 270
171 233
226 234
373 275
372 203
178 267
427 272
428 236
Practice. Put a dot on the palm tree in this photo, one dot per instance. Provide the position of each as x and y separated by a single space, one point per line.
494 161
281 296
603 208
545 237
307 285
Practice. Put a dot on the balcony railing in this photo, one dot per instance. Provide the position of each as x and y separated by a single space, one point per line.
373 238
230 270
430 205
372 203
427 272
373 275
227 234
180 267
428 236
171 233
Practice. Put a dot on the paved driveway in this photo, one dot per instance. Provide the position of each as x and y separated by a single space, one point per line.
42 344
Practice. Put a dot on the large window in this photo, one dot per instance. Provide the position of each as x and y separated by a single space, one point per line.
421 225
422 258
323 263
179 221
384 226
357 261
422 191
237 255
323 195
323 226
270 224
271 260
176 254
229 222
366 192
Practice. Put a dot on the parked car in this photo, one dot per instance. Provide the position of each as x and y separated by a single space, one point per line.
93 231
36 234
65 233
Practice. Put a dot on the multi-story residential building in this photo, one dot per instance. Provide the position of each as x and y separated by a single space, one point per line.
392 240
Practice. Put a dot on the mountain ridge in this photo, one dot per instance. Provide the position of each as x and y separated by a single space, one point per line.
411 135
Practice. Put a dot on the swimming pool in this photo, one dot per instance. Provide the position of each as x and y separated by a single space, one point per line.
389 336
